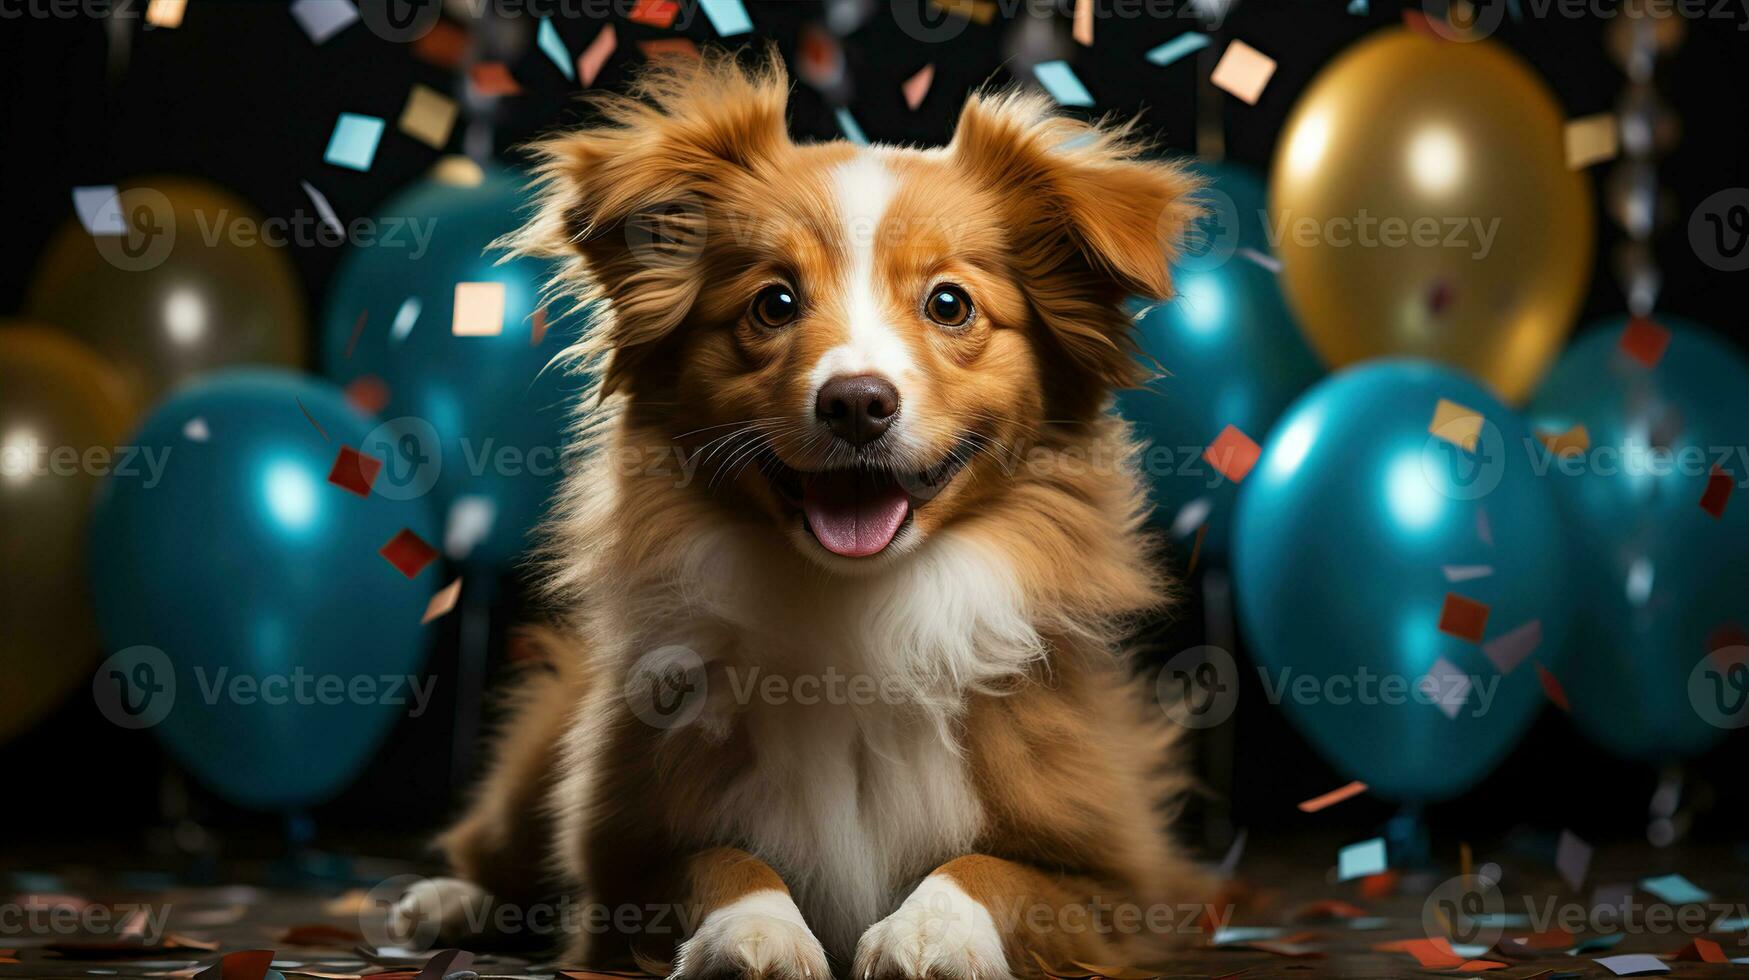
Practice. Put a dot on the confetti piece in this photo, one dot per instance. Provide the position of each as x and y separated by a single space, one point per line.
728 17
537 327
1459 425
251 964
1358 8
1572 859
445 46
1464 573
357 332
166 13
1228 935
1702 951
916 87
442 602
1718 491
322 19
1446 686
354 472
851 129
405 317
324 210
367 393
1433 953
979 12
479 309
195 430
99 209
1178 47
1633 964
1235 851
668 47
1463 617
470 520
1243 71
354 142
455 170
1196 550
493 79
1333 797
1232 454
1509 650
1644 341
1082 30
311 419
548 40
1573 442
1360 860
1269 262
1059 80
1676 890
820 58
1191 516
654 13
428 116
408 552
1591 139
1552 688
1732 924
590 62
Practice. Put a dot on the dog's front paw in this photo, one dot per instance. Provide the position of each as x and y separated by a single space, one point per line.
939 932
758 935
434 910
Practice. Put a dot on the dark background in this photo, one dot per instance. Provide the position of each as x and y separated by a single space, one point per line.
240 96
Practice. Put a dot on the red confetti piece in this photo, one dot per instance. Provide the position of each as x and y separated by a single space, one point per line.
354 472
1644 341
357 331
668 47
1704 951
250 964
1718 491
1434 954
1463 618
537 327
312 419
594 57
1333 797
1552 688
367 393
1232 454
445 46
491 78
1381 885
654 13
408 552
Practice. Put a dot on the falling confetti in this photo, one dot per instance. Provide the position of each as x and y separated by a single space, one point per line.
408 552
1590 140
668 47
1446 686
1457 424
1243 71
1552 688
428 117
727 17
1083 25
1644 341
195 430
1333 797
851 128
1463 617
590 62
354 472
977 11
1232 454
1465 573
1061 82
166 13
1178 47
1507 651
537 327
99 209
324 210
367 393
357 332
654 13
1676 890
1360 860
1718 492
405 317
353 144
322 19
548 40
479 309
1573 442
470 520
916 88
493 79
442 602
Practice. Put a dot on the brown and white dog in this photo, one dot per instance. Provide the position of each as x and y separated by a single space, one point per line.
891 368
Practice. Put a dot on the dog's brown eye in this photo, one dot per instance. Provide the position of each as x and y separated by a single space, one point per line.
949 306
775 306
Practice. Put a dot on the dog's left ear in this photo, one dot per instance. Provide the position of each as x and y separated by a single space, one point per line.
1091 221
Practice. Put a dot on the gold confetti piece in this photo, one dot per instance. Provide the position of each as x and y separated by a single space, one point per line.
1590 139
1573 442
442 602
428 117
977 11
1243 71
456 170
1456 424
1083 29
166 13
479 309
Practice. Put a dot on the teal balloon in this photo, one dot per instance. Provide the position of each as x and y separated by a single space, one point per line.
259 586
1230 349
1358 520
474 418
1663 582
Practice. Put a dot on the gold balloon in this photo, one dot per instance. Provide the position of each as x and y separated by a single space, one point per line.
1421 205
192 284
62 411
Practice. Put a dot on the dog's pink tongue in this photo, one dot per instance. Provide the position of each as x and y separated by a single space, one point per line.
854 516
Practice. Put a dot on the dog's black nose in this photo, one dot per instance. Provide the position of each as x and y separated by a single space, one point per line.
857 408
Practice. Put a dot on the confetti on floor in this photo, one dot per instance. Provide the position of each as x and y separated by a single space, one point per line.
442 602
1675 889
916 88
590 62
1463 617
1702 951
408 552
1243 72
1061 82
1178 47
428 116
728 17
354 142
1644 341
1333 797
1457 424
322 19
1633 965
1590 140
1232 454
479 309
1360 860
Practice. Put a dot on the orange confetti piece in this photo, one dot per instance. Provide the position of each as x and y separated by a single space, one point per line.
916 88
1083 29
442 602
1457 424
594 57
1232 454
1644 341
492 78
1573 442
444 46
654 13
668 47
1703 951
1333 797
1243 71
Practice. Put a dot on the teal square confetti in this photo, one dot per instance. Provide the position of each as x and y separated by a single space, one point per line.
1676 890
729 17
354 143
1059 80
1177 48
1360 860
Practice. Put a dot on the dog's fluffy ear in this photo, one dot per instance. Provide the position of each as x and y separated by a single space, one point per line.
1091 221
623 204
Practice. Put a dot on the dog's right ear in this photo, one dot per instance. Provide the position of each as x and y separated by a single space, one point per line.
624 204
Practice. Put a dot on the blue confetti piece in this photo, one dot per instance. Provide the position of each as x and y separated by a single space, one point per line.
729 17
1059 80
99 209
1360 860
1180 46
551 45
1358 7
1676 890
354 143
852 130
405 317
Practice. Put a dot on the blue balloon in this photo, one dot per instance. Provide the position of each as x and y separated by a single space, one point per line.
1663 582
475 416
1232 350
1358 520
242 596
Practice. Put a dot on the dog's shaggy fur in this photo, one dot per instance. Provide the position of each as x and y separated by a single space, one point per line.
982 786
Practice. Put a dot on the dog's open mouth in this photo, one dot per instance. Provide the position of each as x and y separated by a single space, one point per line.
858 512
